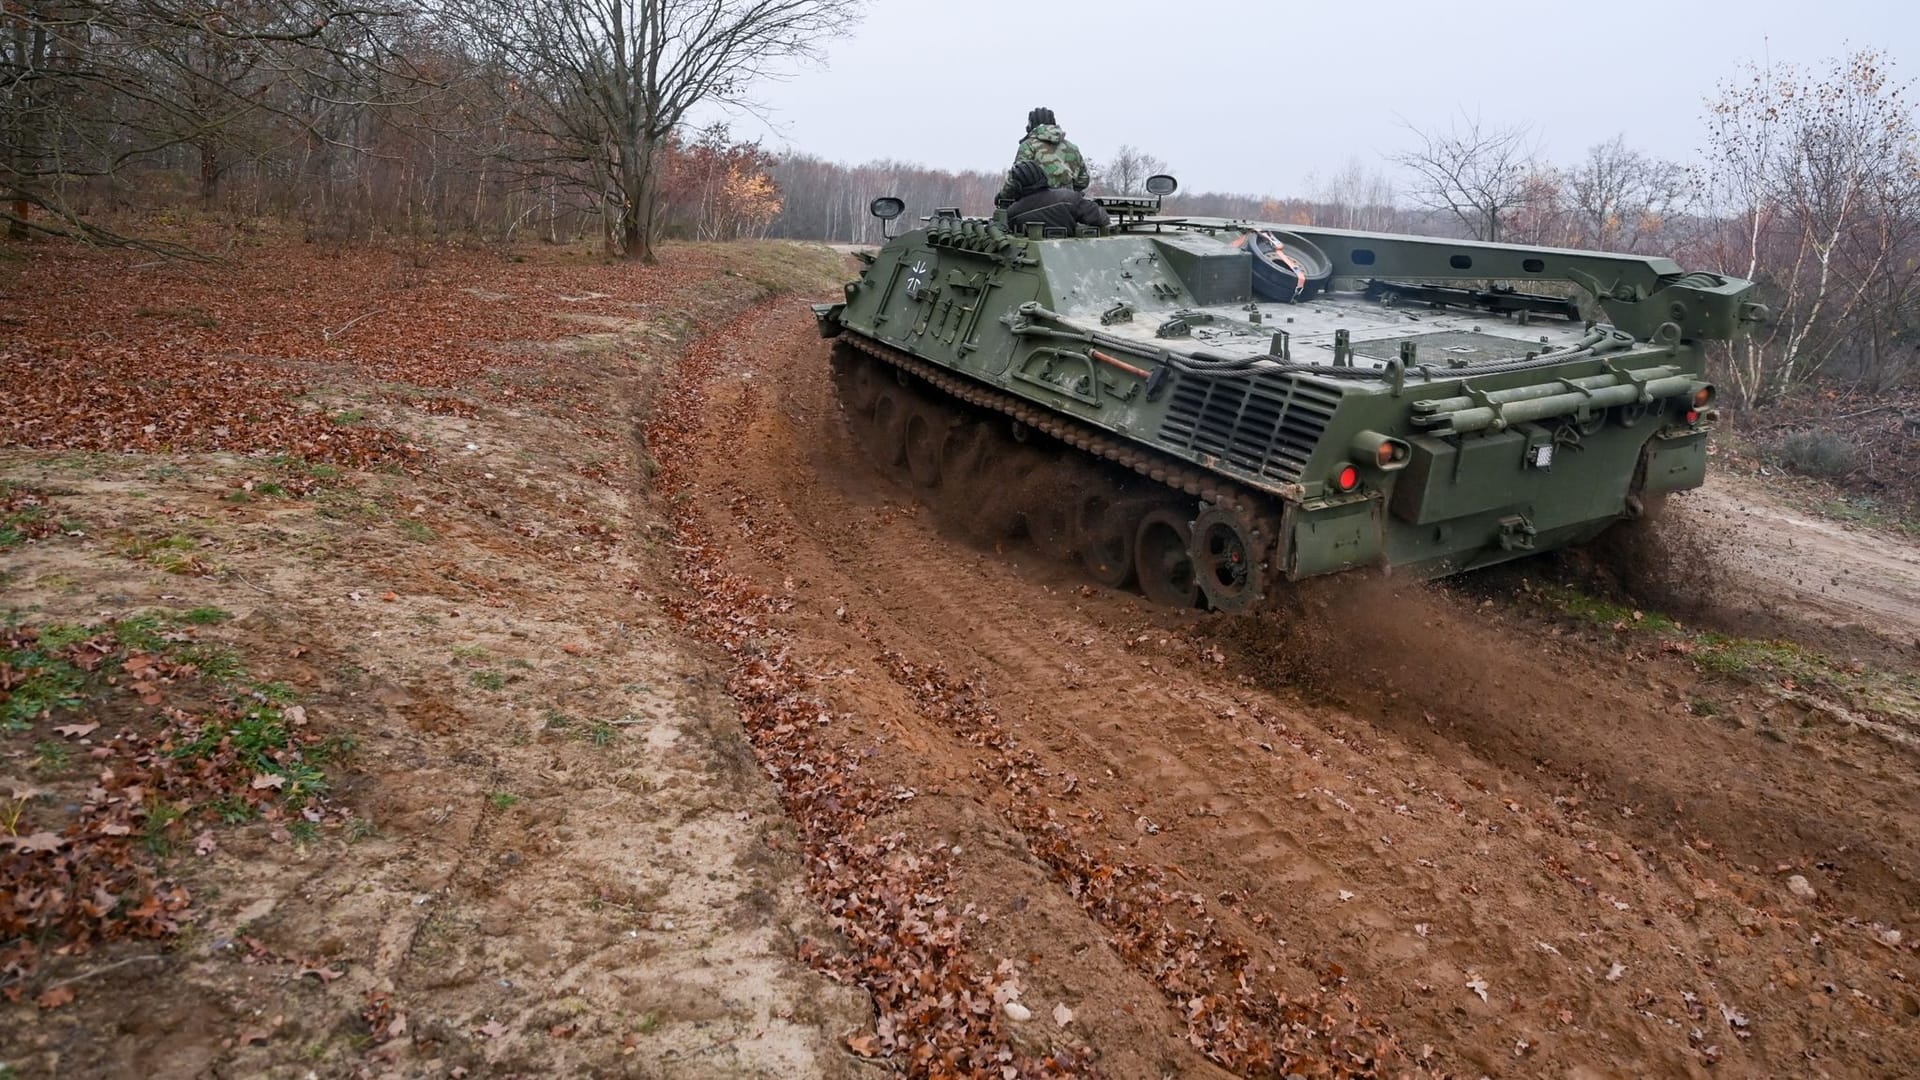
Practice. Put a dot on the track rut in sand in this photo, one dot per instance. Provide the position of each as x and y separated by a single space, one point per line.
1476 848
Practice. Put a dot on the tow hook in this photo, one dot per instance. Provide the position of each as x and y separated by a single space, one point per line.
1516 533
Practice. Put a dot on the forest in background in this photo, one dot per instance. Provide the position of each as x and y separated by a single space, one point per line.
514 120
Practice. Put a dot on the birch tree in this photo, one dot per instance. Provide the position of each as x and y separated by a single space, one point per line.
1816 179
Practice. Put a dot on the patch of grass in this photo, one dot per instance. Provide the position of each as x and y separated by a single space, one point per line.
1594 610
418 530
160 819
601 733
1783 664
1739 656
25 515
648 1023
50 756
177 553
344 505
262 742
360 829
217 662
44 682
349 416
556 721
205 616
488 680
295 465
18 526
231 810
258 737
303 831
502 800
464 653
147 631
335 746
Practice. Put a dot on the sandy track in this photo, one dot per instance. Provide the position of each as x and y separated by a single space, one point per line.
1519 854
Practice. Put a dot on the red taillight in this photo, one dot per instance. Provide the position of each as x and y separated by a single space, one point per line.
1346 479
1693 416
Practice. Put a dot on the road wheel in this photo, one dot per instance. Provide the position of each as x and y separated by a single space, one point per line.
1226 559
1162 561
1106 541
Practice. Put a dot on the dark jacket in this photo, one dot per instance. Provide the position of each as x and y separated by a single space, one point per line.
1056 208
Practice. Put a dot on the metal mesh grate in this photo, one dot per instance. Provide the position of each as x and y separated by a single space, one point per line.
1266 425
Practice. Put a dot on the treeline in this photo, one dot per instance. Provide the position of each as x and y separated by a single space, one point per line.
514 119
500 118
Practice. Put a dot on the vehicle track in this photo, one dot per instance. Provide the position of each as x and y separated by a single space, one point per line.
1517 855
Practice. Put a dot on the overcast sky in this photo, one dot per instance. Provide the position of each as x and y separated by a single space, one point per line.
1262 96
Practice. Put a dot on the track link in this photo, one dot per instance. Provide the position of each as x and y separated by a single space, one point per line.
1210 488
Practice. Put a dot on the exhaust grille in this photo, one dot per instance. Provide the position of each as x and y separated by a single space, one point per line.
1266 425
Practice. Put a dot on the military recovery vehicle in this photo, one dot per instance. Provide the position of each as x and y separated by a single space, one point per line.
1253 403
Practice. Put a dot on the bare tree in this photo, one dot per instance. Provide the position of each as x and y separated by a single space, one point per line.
1620 198
600 85
1816 181
1126 172
1478 174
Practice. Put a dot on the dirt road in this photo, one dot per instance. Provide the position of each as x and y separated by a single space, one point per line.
1422 831
1837 574
652 730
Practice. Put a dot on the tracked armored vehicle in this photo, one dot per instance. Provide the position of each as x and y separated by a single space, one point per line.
1249 403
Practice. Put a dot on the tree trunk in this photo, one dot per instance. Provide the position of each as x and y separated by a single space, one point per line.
209 174
641 186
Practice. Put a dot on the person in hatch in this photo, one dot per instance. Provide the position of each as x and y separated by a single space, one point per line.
1046 145
1053 207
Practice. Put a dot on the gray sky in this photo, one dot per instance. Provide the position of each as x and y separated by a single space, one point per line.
1258 96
